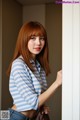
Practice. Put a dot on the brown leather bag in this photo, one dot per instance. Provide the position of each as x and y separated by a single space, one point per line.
43 116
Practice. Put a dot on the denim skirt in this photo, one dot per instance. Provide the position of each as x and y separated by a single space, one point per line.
14 115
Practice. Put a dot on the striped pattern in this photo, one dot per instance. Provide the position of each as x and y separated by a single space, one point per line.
25 86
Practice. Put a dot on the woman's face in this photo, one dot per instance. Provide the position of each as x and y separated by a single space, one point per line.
36 44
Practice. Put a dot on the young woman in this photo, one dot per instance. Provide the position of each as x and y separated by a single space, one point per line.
28 71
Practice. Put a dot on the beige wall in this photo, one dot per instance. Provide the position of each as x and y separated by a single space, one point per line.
34 12
11 22
54 31
0 48
50 16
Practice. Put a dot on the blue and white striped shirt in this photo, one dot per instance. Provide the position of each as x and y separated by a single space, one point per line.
25 86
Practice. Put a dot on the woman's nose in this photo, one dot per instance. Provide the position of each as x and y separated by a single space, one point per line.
38 41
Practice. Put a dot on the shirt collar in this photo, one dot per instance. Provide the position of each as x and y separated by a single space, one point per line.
36 63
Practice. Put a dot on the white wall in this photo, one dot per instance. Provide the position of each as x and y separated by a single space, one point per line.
35 12
0 48
71 62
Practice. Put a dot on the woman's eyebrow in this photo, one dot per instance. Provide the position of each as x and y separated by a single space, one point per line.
33 35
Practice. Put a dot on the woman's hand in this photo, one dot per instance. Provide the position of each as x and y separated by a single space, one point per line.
59 78
45 110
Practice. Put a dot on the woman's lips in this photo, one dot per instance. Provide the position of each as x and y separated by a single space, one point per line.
38 48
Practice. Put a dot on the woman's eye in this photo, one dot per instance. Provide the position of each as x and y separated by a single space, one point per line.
33 38
41 38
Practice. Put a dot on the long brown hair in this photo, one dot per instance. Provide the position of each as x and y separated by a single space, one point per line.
26 31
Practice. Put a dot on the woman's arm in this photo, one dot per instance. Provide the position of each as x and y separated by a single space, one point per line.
46 95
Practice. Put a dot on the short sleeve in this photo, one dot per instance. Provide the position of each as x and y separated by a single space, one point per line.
24 84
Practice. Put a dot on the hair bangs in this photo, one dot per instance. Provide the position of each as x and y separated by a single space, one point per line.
37 31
